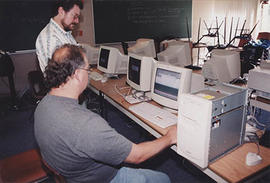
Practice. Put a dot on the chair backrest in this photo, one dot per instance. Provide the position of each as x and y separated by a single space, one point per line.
6 64
23 167
7 70
37 87
58 178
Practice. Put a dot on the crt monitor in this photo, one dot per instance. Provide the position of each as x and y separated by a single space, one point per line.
111 61
232 59
91 53
177 55
223 66
139 73
168 82
144 47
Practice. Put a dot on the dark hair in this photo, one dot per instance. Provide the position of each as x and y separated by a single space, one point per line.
65 60
67 5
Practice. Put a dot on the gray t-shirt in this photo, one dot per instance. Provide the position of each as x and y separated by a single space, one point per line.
76 142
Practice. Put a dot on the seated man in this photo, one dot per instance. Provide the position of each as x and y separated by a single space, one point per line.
78 143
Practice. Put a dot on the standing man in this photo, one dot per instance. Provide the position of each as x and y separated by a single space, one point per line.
58 31
78 143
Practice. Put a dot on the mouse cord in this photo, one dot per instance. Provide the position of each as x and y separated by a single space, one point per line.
140 95
253 138
119 92
258 148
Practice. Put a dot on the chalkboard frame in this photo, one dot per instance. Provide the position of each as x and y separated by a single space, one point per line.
107 35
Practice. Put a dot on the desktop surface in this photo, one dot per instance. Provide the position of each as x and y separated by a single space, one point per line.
233 166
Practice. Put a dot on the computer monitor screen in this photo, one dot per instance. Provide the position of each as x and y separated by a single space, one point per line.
168 82
134 69
144 47
104 57
111 61
139 73
176 55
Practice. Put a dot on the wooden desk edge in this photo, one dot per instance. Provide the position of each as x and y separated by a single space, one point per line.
235 172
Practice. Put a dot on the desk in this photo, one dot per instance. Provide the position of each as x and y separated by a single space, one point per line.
230 168
108 92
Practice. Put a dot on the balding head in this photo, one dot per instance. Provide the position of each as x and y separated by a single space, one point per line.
65 60
60 54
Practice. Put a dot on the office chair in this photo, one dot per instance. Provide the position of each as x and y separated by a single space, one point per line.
24 168
36 85
37 89
124 47
7 70
57 177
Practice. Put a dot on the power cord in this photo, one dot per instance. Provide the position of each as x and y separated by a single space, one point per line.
140 95
254 138
132 96
118 90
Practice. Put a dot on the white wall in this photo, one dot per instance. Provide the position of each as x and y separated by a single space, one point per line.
86 27
264 16
209 10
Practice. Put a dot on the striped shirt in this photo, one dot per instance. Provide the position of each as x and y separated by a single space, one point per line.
49 39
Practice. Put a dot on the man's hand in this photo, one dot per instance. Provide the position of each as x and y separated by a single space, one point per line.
145 150
172 134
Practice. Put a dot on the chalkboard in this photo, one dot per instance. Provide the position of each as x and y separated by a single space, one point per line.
128 20
21 21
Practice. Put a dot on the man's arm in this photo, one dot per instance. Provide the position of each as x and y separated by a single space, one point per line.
143 151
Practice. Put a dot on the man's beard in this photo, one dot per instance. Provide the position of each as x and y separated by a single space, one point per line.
68 27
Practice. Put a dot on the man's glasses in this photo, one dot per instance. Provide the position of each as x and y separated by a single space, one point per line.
88 69
75 16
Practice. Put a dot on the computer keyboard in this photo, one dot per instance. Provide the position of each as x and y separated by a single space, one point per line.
154 114
95 76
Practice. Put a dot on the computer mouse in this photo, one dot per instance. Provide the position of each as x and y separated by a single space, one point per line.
253 159
104 79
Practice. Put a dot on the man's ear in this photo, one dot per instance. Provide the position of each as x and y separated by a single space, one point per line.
76 75
61 11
